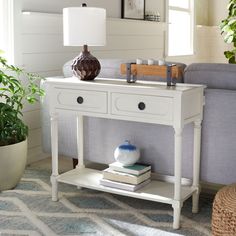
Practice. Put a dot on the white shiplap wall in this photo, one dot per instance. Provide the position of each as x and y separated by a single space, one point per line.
43 53
217 45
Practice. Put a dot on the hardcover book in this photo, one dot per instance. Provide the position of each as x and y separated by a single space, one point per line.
125 177
136 169
123 186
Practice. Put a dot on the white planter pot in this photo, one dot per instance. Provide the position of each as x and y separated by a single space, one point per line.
12 164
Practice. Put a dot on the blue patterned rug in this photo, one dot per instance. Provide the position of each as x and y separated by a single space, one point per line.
28 210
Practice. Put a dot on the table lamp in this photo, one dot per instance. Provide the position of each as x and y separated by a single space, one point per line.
84 26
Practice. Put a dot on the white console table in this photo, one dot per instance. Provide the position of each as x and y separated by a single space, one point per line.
150 102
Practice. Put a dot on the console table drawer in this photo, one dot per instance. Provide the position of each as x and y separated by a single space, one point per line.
82 100
156 107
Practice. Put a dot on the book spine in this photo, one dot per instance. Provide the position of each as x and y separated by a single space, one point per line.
119 178
122 186
117 185
125 170
126 178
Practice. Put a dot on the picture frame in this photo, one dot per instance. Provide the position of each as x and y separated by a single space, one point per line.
133 9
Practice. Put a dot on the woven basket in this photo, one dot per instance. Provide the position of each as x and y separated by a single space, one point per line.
224 212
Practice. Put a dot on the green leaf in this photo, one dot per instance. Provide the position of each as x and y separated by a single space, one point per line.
232 60
229 37
12 93
232 21
226 28
228 54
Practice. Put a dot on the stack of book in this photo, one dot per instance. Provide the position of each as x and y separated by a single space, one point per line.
130 178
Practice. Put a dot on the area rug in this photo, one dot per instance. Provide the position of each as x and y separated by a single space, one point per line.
28 210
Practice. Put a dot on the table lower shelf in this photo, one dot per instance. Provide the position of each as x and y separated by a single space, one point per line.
155 191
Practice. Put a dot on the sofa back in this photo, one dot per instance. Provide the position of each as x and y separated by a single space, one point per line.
214 75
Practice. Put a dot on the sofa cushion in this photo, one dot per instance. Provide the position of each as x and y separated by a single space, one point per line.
214 75
218 137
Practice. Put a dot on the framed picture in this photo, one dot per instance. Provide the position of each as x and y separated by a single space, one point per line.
133 9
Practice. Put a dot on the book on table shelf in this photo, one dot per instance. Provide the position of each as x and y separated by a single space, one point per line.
124 186
125 177
135 169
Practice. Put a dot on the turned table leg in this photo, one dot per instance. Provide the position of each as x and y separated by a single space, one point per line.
80 142
54 147
196 164
177 205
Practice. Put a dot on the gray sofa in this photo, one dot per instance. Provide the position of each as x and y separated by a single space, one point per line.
218 156
156 142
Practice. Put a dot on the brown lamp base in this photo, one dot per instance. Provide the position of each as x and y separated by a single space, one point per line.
86 66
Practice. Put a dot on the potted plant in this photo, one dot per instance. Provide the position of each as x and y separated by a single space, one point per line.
14 92
228 28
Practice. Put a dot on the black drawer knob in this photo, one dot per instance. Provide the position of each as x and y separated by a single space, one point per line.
80 100
141 106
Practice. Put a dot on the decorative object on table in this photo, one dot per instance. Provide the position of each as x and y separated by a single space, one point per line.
152 16
135 169
133 9
125 177
161 62
170 81
139 61
127 154
151 61
228 28
224 212
130 178
130 78
13 131
169 71
85 26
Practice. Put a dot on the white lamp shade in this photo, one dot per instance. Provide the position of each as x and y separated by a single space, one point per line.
84 26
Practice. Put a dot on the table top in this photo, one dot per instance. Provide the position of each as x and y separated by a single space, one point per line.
107 82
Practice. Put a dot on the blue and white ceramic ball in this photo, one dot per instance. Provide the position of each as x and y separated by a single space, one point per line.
127 154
